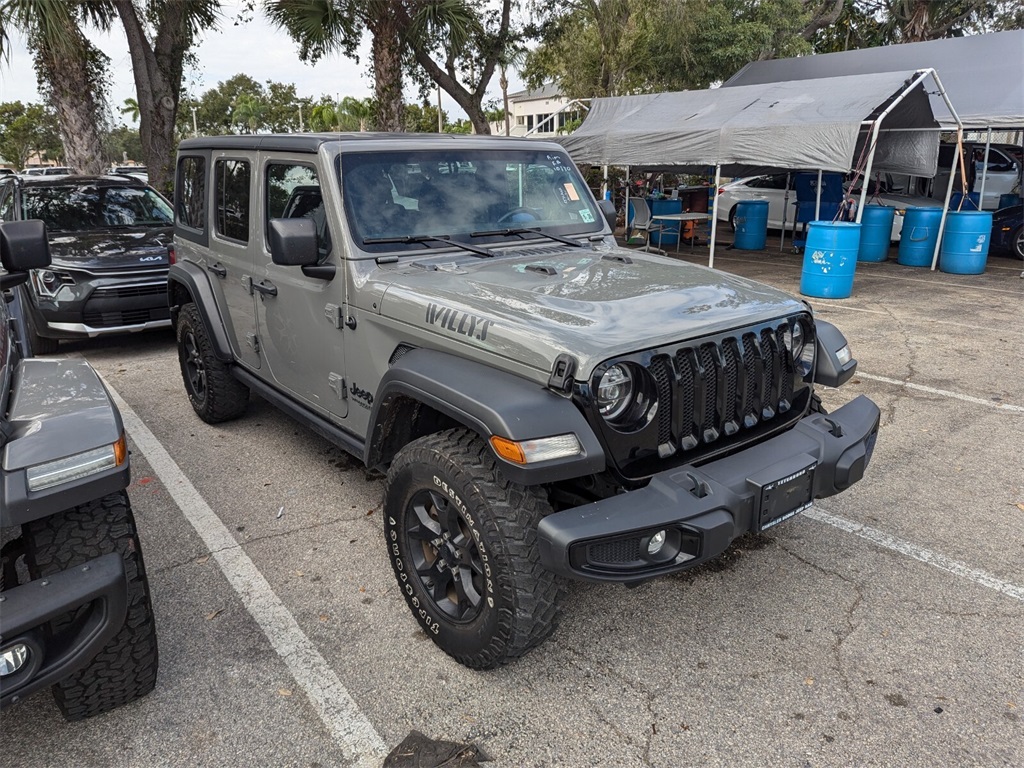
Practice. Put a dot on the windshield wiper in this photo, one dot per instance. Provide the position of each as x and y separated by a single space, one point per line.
523 231
446 239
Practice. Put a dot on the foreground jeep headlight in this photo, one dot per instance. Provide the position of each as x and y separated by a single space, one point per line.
626 397
77 466
795 337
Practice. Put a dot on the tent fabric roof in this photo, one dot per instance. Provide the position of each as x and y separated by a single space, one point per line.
753 129
981 73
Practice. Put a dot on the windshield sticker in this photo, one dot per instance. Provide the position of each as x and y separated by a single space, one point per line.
458 322
570 190
586 215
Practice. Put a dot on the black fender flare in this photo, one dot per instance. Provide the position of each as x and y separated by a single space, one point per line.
490 402
195 283
828 370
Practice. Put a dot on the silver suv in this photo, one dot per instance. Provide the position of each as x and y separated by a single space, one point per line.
455 311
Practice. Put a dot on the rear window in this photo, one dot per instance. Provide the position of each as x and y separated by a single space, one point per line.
88 207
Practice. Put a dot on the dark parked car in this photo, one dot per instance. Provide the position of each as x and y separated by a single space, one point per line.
1008 231
110 238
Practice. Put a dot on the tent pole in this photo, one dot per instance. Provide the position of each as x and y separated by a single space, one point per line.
984 171
949 194
785 209
817 199
604 184
714 215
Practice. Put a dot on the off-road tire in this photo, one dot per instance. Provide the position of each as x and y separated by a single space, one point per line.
40 345
126 668
518 600
214 393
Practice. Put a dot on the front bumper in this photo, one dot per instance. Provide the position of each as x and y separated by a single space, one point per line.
97 306
25 612
702 509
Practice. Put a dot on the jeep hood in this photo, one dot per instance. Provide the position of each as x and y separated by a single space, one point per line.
591 303
135 248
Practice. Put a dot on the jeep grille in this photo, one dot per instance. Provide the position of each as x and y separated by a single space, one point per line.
713 394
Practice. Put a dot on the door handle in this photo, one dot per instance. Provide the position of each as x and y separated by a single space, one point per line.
267 289
218 270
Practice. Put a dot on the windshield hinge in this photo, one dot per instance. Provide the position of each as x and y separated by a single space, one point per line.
562 373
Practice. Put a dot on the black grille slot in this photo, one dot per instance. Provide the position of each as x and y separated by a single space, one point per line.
614 552
116 319
732 374
129 291
663 380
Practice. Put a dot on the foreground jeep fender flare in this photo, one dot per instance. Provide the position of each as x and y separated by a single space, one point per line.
486 400
190 279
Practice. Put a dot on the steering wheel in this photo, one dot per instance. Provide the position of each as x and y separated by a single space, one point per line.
521 211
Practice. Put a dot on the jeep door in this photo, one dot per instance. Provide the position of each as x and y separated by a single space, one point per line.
301 318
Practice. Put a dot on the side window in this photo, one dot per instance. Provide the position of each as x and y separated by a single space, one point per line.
293 191
231 190
6 202
191 188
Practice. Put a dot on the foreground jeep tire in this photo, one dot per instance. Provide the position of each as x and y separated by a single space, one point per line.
215 394
126 668
463 544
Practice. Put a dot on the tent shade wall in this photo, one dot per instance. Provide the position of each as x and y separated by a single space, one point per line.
809 124
981 73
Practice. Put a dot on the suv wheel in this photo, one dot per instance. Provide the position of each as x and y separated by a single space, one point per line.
214 393
463 544
126 668
1017 242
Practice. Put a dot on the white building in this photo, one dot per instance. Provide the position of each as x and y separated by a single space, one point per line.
542 113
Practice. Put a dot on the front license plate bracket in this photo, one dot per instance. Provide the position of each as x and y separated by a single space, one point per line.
782 491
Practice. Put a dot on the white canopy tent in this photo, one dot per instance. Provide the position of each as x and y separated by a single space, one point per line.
826 123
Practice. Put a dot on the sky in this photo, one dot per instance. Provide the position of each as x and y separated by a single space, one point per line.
254 48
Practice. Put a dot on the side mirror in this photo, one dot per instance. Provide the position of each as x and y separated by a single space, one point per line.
834 365
23 246
608 209
293 242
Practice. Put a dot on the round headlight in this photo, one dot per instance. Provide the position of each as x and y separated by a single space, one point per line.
615 392
797 348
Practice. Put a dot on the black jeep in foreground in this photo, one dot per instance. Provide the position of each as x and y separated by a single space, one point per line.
75 610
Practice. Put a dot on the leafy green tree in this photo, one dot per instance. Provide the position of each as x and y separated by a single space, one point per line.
324 117
25 131
248 111
122 144
422 118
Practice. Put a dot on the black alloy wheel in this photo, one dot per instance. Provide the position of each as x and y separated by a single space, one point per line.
446 560
214 393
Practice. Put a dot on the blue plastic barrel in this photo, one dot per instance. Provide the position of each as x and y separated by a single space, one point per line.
875 232
751 225
965 242
1010 200
830 259
918 237
972 203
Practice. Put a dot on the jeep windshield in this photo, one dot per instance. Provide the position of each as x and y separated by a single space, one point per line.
399 200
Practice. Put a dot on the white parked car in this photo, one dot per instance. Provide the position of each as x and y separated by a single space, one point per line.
773 189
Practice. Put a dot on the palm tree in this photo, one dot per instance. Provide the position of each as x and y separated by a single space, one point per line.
249 111
360 110
324 117
130 108
70 69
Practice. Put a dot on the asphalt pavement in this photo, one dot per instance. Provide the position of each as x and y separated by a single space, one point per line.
883 627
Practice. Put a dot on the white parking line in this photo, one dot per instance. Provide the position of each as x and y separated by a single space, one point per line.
341 715
943 393
918 553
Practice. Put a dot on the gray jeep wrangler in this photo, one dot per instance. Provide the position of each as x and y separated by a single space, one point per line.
75 609
454 310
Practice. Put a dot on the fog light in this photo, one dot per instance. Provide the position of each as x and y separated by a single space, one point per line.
13 658
656 542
